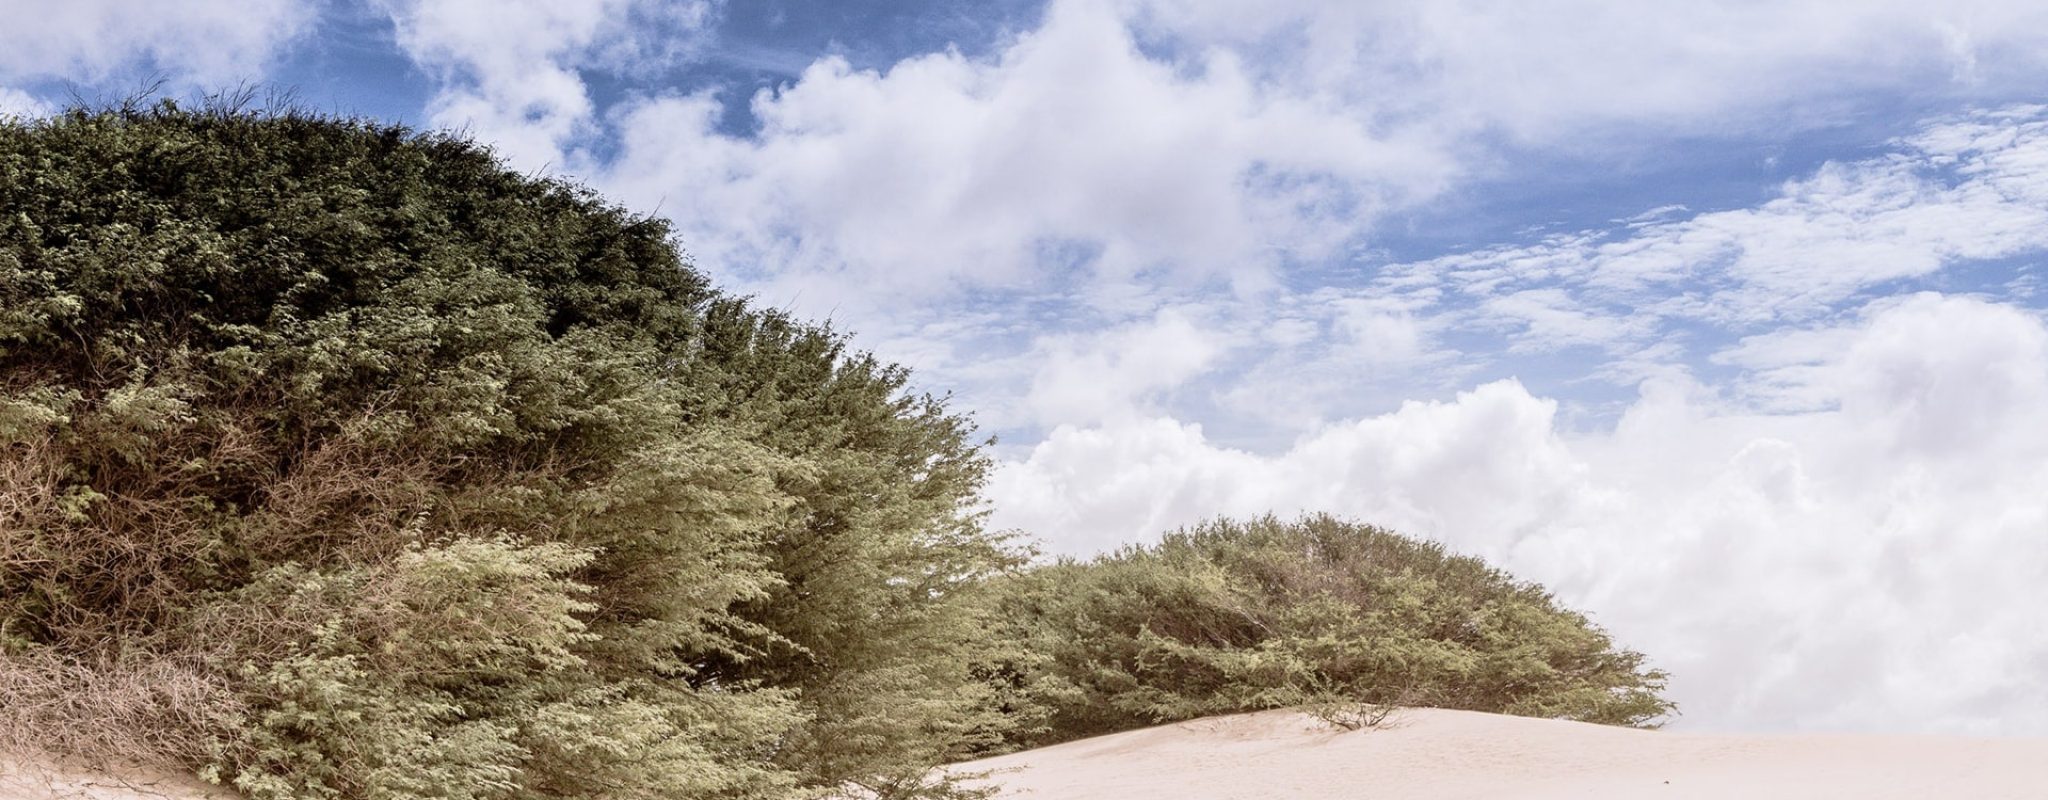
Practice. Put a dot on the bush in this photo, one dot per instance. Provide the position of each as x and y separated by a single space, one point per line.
1343 620
430 479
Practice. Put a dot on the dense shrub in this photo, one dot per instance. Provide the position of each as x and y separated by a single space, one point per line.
1341 618
431 479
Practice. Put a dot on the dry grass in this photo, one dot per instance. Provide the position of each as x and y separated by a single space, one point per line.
156 711
103 660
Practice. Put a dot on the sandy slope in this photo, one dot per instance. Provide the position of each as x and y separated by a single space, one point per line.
35 781
1418 754
1462 754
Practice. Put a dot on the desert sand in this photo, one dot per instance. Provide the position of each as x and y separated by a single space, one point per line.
1423 753
1419 753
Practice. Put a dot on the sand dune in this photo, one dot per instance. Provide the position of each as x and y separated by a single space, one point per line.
1460 754
30 780
1422 753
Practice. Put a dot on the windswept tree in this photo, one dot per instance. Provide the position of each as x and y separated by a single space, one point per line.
337 460
1343 619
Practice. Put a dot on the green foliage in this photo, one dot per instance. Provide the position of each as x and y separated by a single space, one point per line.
463 481
1343 619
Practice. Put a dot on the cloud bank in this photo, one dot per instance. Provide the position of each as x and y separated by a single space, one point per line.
1858 566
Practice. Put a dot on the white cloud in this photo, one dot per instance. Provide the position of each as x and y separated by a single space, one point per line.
1556 72
1327 351
1853 565
1090 488
1112 374
208 43
1126 145
1128 156
509 71
1550 319
17 103
1069 156
1650 297
1960 190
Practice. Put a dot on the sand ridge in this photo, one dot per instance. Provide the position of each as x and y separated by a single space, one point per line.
1426 754
24 779
1453 755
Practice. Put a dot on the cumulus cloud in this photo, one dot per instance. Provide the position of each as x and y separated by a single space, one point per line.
510 72
208 43
1853 565
1137 143
1658 295
1069 155
1110 375
1086 489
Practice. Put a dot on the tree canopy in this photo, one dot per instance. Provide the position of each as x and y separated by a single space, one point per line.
457 482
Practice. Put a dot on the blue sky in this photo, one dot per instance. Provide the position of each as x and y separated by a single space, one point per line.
1723 319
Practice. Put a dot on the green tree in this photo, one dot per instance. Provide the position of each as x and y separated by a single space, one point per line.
1320 613
438 480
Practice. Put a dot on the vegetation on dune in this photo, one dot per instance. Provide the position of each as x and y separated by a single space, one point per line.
1342 619
338 461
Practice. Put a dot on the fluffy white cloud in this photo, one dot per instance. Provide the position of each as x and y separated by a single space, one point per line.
1089 488
1110 375
509 71
208 43
1127 144
1852 565
1068 156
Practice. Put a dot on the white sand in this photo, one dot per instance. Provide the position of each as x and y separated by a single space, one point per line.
1461 754
24 780
1423 753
